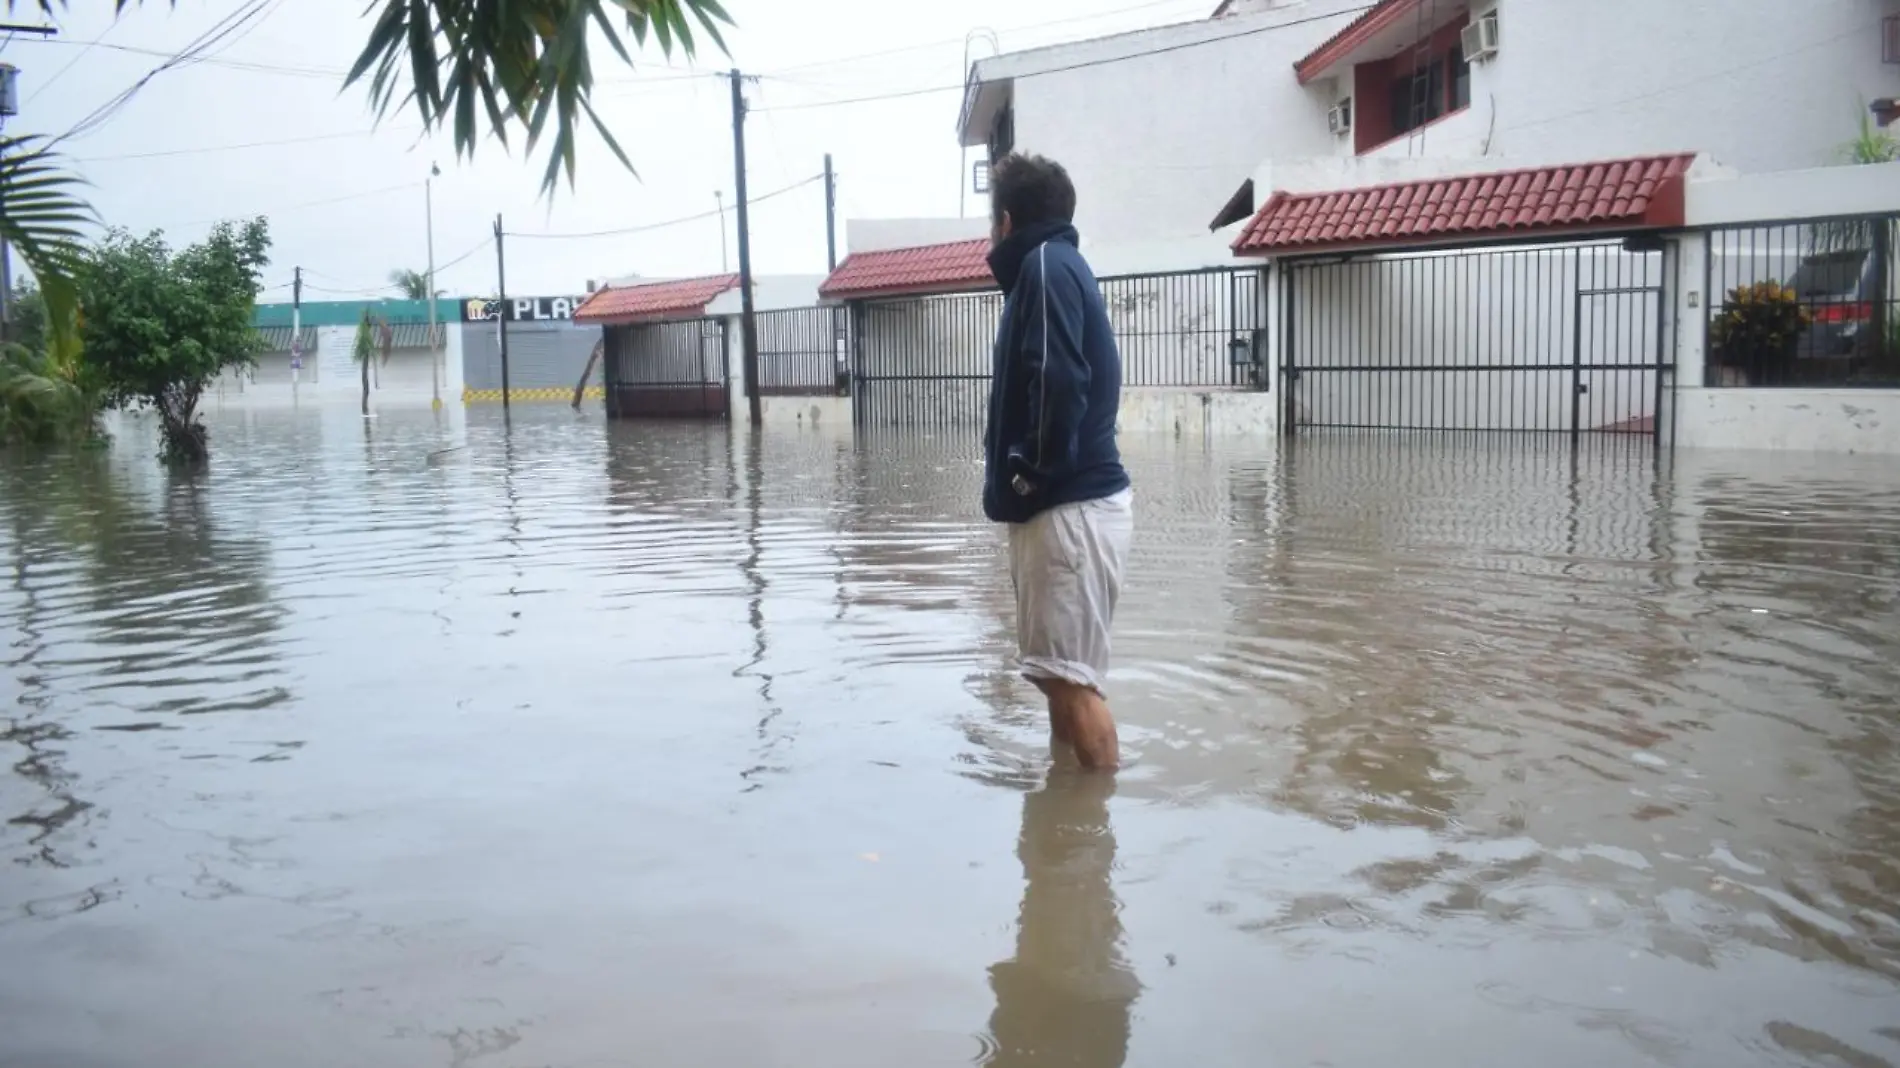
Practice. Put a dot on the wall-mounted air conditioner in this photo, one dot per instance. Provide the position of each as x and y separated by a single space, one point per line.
1339 117
1480 38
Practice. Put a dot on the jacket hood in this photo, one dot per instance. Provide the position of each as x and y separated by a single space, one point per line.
1007 256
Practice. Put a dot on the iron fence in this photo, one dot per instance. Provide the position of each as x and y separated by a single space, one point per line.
1187 328
804 351
923 361
1555 339
667 369
1803 304
926 360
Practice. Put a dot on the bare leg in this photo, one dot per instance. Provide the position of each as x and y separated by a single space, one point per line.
1079 718
1059 725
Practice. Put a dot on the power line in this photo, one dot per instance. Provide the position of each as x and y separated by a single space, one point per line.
307 204
945 42
899 95
202 149
377 291
61 73
668 222
1080 65
220 31
485 242
264 67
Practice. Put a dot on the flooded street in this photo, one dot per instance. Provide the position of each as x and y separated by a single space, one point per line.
423 742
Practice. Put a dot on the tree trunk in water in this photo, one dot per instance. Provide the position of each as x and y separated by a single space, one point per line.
580 388
366 360
182 437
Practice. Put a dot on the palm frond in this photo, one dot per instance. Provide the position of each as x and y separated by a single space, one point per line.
43 216
524 64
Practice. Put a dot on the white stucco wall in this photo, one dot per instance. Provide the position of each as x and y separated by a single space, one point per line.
878 235
330 376
1741 417
1158 128
1198 414
1794 420
770 291
1157 143
829 415
1760 85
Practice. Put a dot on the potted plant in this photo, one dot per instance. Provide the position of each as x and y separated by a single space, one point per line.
1757 332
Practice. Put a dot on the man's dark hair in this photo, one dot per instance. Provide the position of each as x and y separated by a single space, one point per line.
1032 189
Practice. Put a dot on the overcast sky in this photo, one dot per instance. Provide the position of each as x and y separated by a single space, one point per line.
282 80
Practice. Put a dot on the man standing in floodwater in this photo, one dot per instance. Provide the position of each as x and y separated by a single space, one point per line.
1051 469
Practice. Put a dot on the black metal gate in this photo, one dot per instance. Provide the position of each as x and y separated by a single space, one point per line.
804 352
675 369
924 361
1189 328
1562 340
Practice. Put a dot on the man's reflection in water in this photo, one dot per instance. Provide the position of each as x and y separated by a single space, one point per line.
1064 998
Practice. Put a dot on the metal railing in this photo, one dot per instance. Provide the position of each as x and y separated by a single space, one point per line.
804 351
921 361
1565 339
667 369
1186 328
1810 303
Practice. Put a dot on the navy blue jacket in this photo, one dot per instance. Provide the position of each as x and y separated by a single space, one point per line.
1055 381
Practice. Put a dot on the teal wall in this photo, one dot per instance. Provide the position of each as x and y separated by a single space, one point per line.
350 312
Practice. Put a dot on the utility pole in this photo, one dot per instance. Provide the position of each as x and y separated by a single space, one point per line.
719 198
296 329
9 107
428 210
831 217
501 310
748 328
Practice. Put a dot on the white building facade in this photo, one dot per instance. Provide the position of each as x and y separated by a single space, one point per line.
1159 128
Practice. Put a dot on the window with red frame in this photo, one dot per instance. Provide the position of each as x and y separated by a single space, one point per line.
1423 95
1410 90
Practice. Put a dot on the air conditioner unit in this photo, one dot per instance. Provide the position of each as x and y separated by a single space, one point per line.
1480 38
1339 117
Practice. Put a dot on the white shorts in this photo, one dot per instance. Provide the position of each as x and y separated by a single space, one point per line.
1066 565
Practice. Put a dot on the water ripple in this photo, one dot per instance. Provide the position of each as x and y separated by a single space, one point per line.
439 724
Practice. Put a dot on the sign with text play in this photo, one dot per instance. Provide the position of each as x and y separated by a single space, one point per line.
520 309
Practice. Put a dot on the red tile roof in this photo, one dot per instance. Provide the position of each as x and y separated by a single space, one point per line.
1383 15
1612 196
652 301
952 268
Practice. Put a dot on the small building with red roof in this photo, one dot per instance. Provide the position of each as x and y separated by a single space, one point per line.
673 346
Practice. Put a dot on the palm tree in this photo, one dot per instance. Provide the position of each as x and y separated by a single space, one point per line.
373 334
41 216
413 285
470 66
479 67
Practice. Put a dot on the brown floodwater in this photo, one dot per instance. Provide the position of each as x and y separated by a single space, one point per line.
428 740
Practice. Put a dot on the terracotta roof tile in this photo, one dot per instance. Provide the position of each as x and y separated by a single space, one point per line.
950 268
1614 195
652 301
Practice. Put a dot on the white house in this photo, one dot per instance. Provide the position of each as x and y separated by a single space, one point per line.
1160 127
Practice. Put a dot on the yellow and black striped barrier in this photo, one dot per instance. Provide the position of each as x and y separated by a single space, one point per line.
532 394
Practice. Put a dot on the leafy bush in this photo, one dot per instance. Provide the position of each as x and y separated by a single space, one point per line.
1758 329
40 404
158 327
